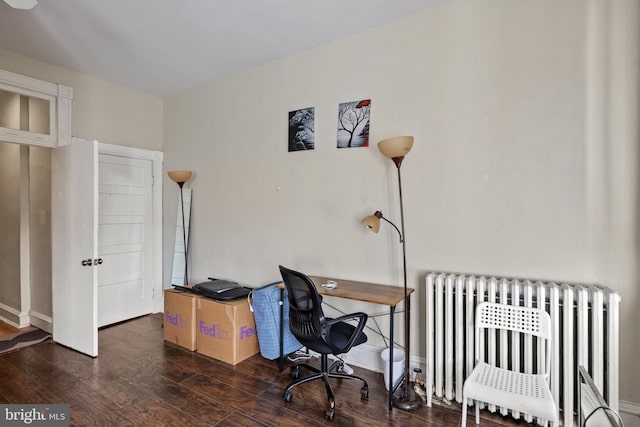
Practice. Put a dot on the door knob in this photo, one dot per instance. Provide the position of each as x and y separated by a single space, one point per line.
87 262
97 261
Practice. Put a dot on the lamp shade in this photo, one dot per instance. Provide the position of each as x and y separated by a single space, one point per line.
397 146
22 4
179 176
372 222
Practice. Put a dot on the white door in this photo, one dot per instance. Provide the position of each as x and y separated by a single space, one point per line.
125 279
74 217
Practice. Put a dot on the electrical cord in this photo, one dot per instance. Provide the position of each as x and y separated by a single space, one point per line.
604 408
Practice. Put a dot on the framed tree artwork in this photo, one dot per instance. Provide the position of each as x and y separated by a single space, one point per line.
302 129
353 124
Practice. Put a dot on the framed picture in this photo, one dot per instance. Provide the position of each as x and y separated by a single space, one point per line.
353 124
302 129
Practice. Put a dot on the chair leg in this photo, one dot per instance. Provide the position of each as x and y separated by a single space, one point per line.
347 377
301 381
332 402
463 421
477 412
324 373
307 367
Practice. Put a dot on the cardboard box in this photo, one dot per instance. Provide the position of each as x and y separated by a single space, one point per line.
180 318
226 330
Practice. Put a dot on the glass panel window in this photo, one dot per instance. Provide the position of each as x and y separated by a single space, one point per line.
23 112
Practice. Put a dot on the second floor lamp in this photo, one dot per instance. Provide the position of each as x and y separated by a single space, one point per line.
396 148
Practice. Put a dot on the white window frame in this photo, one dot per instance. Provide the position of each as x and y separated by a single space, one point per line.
59 98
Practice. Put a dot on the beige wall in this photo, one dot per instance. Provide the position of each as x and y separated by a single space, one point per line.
525 164
40 229
10 226
620 202
101 110
525 161
38 242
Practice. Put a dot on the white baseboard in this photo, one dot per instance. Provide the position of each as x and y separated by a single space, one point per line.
9 320
21 320
630 408
630 413
13 316
41 321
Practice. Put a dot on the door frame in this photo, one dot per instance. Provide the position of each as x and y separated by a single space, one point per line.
74 299
156 158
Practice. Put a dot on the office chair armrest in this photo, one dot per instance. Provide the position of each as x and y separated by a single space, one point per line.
360 317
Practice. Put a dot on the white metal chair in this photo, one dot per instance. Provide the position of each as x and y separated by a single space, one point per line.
522 392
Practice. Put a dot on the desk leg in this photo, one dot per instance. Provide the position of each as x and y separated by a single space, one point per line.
392 311
281 330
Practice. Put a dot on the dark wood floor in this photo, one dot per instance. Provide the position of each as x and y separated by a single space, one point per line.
139 380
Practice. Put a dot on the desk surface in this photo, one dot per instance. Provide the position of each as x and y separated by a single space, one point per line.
362 291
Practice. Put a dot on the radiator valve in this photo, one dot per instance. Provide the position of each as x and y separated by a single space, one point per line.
418 385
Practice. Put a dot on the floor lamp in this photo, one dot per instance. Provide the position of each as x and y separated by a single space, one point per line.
180 177
396 148
22 4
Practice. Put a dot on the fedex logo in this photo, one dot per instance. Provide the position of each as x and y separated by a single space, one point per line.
215 331
246 332
176 320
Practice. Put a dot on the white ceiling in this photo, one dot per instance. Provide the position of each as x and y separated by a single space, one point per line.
163 47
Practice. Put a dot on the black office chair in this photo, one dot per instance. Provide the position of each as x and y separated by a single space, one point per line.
320 334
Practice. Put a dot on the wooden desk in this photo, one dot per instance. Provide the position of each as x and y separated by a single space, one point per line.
366 292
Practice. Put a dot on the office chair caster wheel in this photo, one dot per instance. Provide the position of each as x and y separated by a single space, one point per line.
330 413
364 393
287 396
295 372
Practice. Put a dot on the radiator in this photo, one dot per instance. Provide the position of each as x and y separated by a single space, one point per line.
585 333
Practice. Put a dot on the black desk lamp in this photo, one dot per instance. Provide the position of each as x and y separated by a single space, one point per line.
395 149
